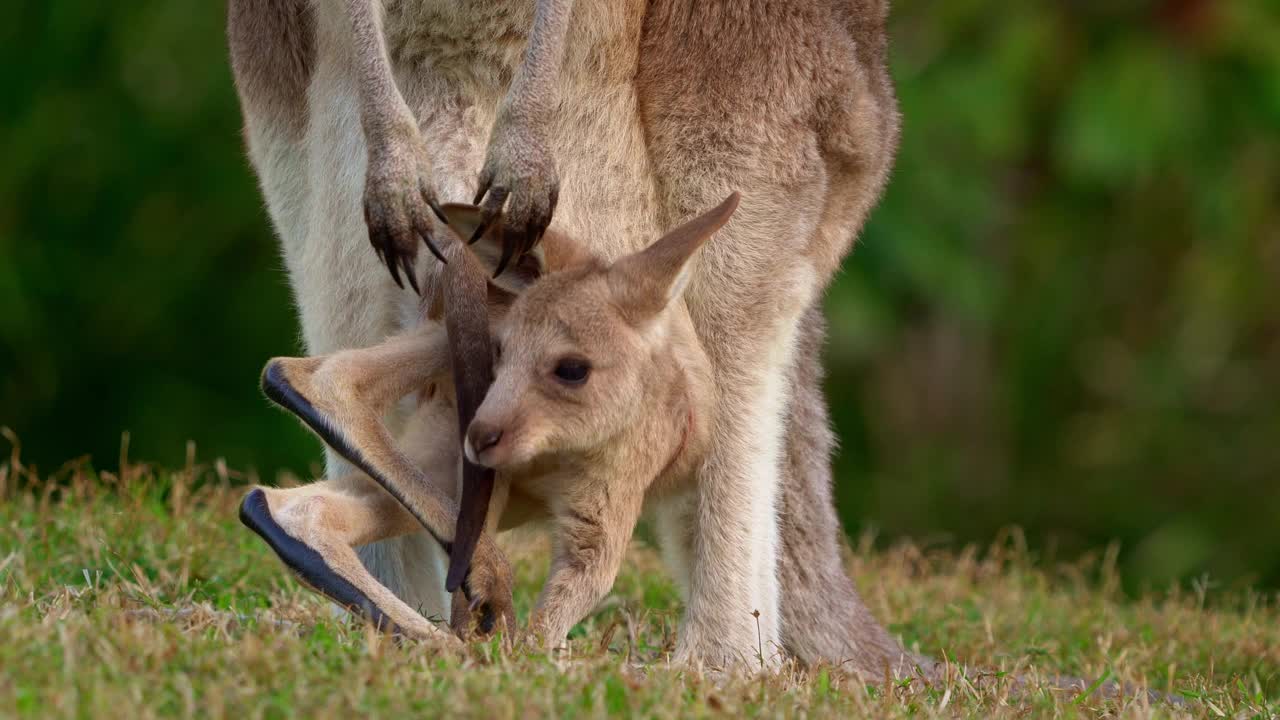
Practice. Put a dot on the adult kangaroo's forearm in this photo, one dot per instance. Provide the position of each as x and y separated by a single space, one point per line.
519 171
273 53
533 94
382 106
398 185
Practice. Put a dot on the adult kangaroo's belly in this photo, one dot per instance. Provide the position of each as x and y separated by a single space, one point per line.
474 45
454 62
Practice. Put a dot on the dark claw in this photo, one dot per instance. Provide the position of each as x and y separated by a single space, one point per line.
488 617
430 201
395 272
435 208
546 220
488 621
491 210
382 245
508 250
426 239
410 275
532 235
423 229
485 182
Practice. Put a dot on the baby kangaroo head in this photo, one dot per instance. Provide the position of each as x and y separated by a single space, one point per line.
586 347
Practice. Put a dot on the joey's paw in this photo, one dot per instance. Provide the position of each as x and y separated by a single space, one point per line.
398 200
485 599
540 635
518 186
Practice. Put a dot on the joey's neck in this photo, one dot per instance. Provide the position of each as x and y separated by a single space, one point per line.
680 417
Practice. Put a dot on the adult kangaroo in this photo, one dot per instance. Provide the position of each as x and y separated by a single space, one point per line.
610 120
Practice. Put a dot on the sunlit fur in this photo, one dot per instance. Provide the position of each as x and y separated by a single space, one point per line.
645 112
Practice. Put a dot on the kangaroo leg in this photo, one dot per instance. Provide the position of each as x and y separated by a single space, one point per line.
747 320
343 299
313 530
823 618
343 397
673 520
807 140
732 613
591 536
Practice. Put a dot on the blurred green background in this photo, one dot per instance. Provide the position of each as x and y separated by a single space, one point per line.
1064 315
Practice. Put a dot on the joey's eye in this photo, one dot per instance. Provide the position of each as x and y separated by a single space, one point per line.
496 345
572 370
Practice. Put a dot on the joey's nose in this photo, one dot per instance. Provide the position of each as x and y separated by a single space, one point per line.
483 436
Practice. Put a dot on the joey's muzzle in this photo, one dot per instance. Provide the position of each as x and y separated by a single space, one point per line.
481 437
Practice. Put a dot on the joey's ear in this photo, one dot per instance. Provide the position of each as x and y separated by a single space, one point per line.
519 274
463 219
645 282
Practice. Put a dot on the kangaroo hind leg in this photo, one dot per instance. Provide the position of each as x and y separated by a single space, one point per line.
314 528
343 397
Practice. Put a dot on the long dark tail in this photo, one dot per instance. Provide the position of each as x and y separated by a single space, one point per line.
466 314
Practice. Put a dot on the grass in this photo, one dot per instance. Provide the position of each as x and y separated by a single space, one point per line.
140 595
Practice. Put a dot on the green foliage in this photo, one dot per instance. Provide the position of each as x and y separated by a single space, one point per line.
1064 314
140 286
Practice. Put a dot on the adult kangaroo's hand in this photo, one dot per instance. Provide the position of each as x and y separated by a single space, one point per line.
519 180
518 184
398 195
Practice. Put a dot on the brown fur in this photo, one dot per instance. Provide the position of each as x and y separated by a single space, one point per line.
658 108
273 50
826 148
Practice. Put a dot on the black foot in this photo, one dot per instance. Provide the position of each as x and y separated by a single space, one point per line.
279 391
